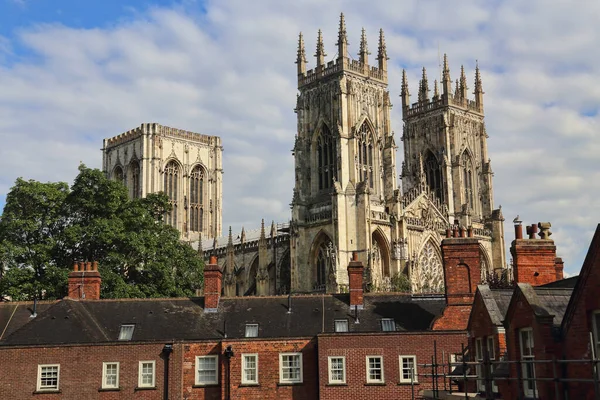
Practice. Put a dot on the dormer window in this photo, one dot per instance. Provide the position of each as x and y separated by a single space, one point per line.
388 325
251 330
341 325
126 332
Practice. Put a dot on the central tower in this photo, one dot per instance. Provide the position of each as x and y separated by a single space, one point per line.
345 186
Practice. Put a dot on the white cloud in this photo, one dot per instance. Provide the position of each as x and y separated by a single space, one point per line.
230 72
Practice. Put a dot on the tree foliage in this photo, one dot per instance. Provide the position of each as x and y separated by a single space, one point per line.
46 227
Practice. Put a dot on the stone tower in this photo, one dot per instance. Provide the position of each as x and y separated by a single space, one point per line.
345 186
187 166
445 154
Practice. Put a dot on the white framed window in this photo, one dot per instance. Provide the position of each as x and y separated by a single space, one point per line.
479 365
207 370
290 367
251 330
337 369
249 369
110 375
491 349
408 369
126 332
375 369
146 375
388 325
341 325
527 358
48 377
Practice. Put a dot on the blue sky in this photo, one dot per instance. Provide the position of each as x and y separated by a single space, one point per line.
75 72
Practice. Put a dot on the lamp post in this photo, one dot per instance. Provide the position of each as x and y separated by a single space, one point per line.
228 353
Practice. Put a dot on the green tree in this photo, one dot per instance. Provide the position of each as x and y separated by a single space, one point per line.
138 255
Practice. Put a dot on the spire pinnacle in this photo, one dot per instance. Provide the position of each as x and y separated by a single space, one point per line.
262 230
342 38
446 70
478 86
382 52
463 83
320 54
230 239
404 91
364 50
243 235
301 56
436 92
456 91
424 88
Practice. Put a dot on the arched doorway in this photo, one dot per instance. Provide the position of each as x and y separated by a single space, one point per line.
323 261
379 260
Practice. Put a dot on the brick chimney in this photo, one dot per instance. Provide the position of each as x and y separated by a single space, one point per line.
84 281
212 285
534 260
462 268
355 277
462 273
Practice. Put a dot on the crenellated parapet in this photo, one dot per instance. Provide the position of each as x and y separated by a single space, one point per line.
154 128
457 97
342 63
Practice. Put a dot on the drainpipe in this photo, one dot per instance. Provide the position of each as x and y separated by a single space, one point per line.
167 350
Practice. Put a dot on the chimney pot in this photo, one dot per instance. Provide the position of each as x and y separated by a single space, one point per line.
470 232
519 231
354 256
448 233
81 266
75 267
88 266
213 260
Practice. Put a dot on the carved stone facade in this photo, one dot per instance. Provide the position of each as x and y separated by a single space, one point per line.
346 196
187 166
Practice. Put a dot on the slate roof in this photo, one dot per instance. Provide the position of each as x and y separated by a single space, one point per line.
13 315
554 301
567 283
496 302
99 321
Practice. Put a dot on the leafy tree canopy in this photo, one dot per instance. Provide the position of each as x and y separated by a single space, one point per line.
46 227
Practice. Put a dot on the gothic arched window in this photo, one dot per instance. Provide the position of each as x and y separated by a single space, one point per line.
118 174
322 267
197 199
171 187
467 178
326 159
427 275
134 168
365 154
433 174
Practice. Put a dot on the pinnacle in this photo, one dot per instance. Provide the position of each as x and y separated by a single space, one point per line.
342 38
320 47
230 239
363 43
436 92
301 57
382 52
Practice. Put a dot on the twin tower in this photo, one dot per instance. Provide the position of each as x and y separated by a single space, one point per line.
346 196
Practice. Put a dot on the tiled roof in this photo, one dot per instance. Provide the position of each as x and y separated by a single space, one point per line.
97 321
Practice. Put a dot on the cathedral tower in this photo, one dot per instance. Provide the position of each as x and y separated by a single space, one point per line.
445 154
345 168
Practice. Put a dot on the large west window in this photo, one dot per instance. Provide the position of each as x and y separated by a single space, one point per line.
206 370
433 175
326 159
250 369
290 367
375 369
110 375
408 369
197 199
337 370
527 362
48 377
146 374
467 166
171 187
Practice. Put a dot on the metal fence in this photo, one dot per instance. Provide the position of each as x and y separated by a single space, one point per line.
481 376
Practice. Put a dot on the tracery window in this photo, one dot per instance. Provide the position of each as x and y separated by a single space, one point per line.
197 199
134 167
326 159
325 260
467 178
365 154
171 187
433 175
118 174
428 274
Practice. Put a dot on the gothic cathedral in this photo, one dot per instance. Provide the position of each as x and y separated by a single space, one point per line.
346 196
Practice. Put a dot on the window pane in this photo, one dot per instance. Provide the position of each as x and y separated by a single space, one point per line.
341 325
249 369
388 325
49 377
251 330
207 370
126 332
375 369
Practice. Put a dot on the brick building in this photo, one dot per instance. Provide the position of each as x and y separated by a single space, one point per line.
353 345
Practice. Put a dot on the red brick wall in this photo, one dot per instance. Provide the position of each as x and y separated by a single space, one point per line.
84 281
531 257
462 269
212 283
576 343
357 347
519 316
81 371
268 370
